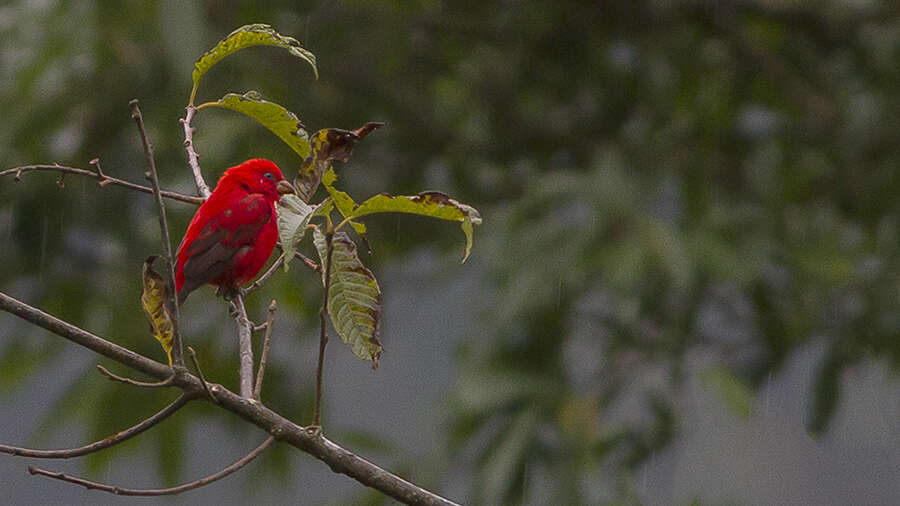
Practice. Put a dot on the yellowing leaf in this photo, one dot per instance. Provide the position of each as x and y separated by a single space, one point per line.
293 217
276 118
246 36
434 204
354 298
330 144
154 301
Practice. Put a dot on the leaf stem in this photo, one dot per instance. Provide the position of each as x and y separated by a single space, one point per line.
323 336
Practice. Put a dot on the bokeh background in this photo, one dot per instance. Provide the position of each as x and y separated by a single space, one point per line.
685 289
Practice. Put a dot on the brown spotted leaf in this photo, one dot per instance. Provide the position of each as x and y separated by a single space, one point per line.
330 144
434 204
354 298
276 118
257 34
153 299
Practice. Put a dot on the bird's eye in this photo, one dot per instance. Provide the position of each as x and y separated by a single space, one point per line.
269 175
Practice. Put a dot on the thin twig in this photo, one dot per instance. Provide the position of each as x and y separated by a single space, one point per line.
312 442
135 383
262 279
93 485
193 355
323 336
308 262
153 176
245 344
193 158
101 178
264 354
128 433
313 266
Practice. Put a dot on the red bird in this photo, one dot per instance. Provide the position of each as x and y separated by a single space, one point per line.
233 233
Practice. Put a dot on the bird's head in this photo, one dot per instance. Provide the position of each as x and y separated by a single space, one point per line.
258 176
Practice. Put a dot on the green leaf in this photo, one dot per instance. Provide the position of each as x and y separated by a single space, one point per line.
154 301
256 34
330 144
354 298
344 202
276 118
293 217
434 204
734 393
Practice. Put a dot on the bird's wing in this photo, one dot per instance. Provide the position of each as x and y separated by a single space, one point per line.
224 237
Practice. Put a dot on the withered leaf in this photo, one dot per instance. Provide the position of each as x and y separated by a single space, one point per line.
329 144
154 301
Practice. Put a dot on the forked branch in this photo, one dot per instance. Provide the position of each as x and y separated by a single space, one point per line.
151 492
102 180
308 440
126 434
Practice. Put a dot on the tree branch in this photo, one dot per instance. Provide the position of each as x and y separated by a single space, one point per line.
145 492
245 343
309 440
264 354
193 158
151 174
103 443
102 180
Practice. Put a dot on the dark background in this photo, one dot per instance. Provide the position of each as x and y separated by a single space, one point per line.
685 289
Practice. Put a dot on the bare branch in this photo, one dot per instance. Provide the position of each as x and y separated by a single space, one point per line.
151 174
102 180
193 158
80 336
93 485
245 343
264 354
313 266
103 443
135 383
309 440
265 276
193 355
323 337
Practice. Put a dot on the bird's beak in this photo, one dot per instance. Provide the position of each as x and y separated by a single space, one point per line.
284 187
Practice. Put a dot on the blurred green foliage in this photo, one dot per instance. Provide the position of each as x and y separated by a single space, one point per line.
663 184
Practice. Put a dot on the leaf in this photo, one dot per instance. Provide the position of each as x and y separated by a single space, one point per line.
330 144
256 34
434 204
734 393
354 298
293 217
276 118
153 299
344 202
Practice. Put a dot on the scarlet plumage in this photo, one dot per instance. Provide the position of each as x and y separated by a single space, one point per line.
232 235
